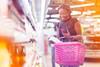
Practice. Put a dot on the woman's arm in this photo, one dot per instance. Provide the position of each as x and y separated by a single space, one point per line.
78 28
78 31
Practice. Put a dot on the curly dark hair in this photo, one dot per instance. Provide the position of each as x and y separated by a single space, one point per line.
65 6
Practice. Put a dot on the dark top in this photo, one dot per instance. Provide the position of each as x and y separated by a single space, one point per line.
66 27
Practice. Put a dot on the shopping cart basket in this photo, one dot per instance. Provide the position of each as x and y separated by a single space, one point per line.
69 53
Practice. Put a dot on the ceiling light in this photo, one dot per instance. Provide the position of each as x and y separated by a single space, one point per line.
81 0
75 13
56 15
89 12
49 8
96 16
83 5
98 20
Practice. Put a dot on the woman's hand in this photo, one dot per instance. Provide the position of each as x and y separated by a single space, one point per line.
77 37
66 35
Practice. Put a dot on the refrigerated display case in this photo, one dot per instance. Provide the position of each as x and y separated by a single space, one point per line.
92 41
93 46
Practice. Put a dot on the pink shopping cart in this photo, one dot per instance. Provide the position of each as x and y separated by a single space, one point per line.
69 53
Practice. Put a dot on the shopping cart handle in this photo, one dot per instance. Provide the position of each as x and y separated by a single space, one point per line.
54 39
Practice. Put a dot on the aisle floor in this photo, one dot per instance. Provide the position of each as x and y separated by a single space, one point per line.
86 64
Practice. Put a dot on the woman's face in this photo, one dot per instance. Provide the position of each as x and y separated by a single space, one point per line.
64 14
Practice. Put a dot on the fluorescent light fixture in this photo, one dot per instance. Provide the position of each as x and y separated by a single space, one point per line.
81 0
96 16
49 8
54 20
89 12
56 15
98 20
47 16
75 13
92 20
50 25
83 5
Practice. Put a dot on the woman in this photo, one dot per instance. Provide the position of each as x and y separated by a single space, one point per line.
69 28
